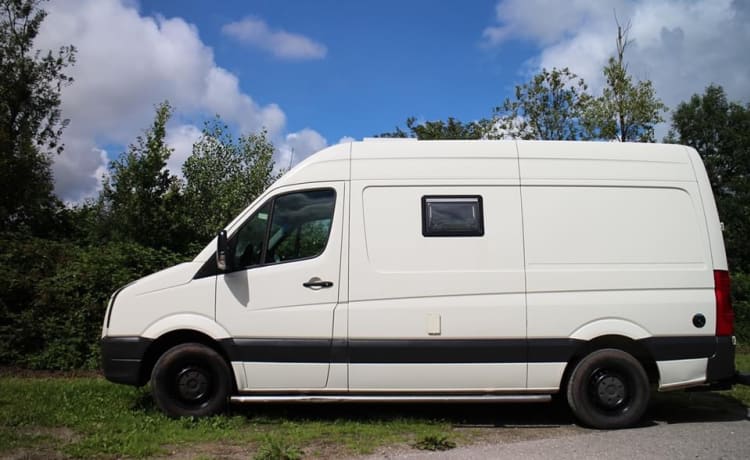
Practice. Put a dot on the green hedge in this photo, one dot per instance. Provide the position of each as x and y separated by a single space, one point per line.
741 303
53 296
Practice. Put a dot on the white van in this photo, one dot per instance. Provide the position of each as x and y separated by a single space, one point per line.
446 271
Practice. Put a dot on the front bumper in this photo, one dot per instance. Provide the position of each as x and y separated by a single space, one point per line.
122 358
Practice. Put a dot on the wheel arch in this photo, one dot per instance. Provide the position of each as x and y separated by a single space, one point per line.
176 337
620 342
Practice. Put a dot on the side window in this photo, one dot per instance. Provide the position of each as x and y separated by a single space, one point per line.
289 227
300 225
452 216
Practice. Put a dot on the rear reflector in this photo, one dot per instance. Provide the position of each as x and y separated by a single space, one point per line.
724 312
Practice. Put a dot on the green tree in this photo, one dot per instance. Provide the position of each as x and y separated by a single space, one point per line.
141 201
30 117
548 107
720 131
224 174
449 129
626 111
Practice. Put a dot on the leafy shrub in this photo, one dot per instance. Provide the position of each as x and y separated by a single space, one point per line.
274 449
53 296
435 442
741 304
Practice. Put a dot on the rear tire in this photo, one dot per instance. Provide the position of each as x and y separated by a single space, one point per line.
608 389
191 380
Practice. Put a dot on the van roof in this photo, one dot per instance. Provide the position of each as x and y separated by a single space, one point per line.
404 158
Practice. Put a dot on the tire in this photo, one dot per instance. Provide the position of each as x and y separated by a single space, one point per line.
608 389
191 380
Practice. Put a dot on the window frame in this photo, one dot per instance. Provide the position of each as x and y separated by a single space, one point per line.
271 201
473 233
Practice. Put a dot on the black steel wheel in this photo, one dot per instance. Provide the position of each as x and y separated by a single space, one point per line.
608 389
191 380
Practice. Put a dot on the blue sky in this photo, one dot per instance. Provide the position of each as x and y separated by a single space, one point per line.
384 62
315 72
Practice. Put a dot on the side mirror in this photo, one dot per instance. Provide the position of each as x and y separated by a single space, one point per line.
222 247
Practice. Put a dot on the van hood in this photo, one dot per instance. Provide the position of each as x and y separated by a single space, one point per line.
164 279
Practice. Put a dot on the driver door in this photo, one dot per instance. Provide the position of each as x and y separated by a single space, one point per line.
279 296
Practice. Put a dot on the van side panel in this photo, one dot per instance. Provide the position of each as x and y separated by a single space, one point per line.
616 244
435 313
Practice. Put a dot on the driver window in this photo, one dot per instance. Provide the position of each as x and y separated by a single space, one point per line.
300 225
299 228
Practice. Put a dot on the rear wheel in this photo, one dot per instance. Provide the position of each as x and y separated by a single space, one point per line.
608 389
191 380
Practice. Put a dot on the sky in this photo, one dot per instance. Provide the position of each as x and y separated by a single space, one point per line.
316 73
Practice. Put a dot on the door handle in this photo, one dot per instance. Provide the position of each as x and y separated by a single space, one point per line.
317 283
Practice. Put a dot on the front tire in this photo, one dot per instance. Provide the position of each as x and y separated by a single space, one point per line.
191 380
608 389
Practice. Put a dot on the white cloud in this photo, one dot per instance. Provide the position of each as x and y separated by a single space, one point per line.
297 146
280 43
346 140
127 63
181 139
681 46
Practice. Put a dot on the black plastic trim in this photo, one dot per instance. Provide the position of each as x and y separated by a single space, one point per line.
208 268
721 364
122 357
400 351
680 347
543 350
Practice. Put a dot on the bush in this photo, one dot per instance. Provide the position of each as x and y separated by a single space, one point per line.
435 442
53 296
275 449
741 304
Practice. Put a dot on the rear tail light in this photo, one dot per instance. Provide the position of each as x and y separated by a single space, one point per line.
724 312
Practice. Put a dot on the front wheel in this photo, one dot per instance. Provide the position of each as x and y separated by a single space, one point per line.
608 389
191 380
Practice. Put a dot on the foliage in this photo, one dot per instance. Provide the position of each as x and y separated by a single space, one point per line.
435 442
548 107
141 200
224 175
741 304
720 131
274 448
450 129
30 117
53 296
626 111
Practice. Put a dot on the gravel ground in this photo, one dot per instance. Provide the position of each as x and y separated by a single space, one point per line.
676 426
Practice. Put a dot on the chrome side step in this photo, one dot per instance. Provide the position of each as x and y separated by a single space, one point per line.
391 399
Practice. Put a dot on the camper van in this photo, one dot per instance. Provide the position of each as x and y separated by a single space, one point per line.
446 271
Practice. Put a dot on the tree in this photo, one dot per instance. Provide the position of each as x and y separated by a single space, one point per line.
548 107
625 111
450 129
30 116
141 201
224 175
720 131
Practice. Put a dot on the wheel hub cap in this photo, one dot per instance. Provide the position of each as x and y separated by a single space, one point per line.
610 390
192 384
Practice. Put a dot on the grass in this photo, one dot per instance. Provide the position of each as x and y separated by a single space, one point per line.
742 362
90 417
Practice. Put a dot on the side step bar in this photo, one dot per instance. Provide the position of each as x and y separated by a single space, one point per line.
391 399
